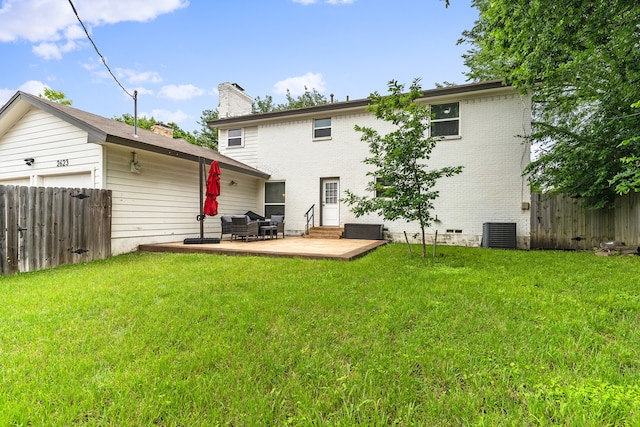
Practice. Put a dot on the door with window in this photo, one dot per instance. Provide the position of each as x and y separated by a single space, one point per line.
331 202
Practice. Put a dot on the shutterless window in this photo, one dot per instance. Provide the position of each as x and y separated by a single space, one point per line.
446 119
274 196
234 139
382 187
322 128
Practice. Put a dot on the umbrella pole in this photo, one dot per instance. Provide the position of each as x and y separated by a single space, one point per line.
201 218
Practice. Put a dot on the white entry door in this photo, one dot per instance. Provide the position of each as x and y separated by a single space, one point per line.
331 202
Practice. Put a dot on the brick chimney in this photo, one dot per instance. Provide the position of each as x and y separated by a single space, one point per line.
233 101
162 129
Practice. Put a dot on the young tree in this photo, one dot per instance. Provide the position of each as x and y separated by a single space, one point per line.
402 185
55 96
581 62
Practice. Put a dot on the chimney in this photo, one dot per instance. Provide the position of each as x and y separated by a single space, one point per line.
233 101
162 129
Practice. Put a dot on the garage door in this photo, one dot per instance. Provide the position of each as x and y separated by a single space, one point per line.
78 180
16 181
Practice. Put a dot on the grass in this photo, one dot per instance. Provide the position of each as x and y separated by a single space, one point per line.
476 337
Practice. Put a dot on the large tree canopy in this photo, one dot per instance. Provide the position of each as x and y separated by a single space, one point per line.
581 61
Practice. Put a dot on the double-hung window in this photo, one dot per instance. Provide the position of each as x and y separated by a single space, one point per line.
445 119
322 128
234 138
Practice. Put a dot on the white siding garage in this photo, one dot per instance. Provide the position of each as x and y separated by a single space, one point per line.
155 202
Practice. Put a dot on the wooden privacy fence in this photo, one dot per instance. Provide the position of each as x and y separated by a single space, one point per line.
561 222
47 227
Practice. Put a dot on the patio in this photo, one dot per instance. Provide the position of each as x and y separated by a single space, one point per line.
290 247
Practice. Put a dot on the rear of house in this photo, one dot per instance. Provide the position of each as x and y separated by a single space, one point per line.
314 154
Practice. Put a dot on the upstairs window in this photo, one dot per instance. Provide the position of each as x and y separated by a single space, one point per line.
446 119
322 128
234 138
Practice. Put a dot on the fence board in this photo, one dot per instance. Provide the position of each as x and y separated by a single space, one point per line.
55 224
561 222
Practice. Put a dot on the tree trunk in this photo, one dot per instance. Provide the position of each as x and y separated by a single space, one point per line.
424 244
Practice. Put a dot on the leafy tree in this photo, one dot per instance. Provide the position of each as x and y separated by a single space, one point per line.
307 99
264 105
401 178
629 178
207 137
148 122
581 63
55 96
143 122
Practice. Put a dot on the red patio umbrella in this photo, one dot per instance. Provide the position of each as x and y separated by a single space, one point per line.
213 190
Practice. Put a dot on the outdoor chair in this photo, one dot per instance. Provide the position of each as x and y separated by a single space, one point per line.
227 226
278 221
243 227
254 216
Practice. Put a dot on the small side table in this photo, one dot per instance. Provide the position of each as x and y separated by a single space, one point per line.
268 229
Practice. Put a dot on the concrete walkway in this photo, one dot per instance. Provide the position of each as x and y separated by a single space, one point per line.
289 247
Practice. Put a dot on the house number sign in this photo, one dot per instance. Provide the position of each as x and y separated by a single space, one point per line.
62 163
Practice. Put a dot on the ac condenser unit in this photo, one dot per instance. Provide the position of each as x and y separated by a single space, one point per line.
500 235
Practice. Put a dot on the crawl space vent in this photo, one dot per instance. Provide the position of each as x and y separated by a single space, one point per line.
500 235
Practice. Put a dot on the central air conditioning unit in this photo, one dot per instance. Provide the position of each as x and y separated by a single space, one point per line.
499 235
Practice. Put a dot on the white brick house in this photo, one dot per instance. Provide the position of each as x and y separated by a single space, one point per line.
313 154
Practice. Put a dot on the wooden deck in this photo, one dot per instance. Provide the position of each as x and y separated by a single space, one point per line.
289 247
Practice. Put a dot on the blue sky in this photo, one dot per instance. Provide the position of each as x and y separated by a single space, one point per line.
176 52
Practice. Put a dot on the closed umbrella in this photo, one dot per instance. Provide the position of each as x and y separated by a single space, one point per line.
213 190
210 205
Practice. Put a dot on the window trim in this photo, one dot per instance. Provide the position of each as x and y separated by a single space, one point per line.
449 119
316 128
241 137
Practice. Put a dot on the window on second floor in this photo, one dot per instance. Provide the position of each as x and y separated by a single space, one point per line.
446 119
234 138
322 128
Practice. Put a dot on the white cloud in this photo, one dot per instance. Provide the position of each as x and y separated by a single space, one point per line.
54 29
33 87
297 85
138 77
167 116
180 92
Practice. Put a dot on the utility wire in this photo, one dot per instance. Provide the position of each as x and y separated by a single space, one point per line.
104 61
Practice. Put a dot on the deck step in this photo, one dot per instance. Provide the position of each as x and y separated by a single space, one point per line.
324 233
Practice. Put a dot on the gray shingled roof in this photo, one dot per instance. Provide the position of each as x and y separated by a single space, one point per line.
102 130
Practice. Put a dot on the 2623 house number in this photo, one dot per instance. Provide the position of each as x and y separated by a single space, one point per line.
62 163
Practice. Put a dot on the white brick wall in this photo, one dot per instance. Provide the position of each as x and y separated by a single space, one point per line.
491 187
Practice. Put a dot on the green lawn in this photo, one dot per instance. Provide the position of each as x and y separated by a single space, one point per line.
476 337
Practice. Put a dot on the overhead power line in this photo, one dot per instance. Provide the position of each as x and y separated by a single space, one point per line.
104 61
